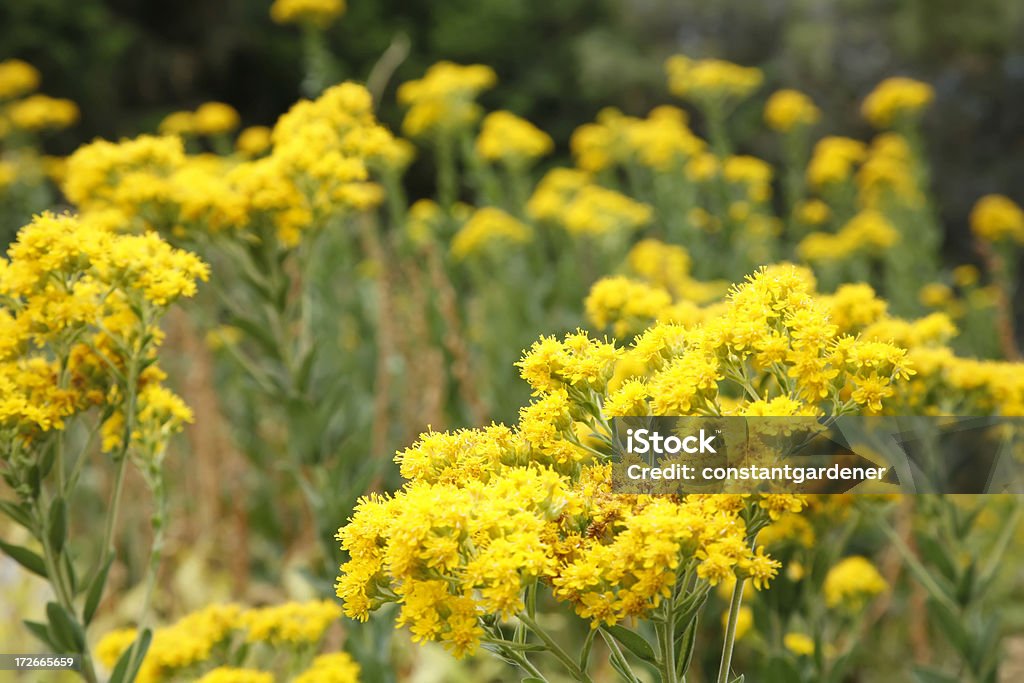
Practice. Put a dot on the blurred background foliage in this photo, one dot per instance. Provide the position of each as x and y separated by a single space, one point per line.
127 63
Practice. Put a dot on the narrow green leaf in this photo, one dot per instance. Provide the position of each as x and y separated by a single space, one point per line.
41 632
633 642
34 480
585 652
95 592
127 666
64 629
688 647
47 460
17 512
58 530
25 557
739 679
533 679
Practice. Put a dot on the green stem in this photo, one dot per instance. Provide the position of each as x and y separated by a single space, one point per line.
730 631
556 649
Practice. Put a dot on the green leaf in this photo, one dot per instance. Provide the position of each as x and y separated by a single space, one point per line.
934 553
585 651
127 666
41 632
58 530
739 679
95 592
34 480
64 629
633 642
533 679
926 675
18 513
46 461
26 558
689 640
951 625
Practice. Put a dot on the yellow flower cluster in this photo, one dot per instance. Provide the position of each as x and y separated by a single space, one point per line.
488 513
488 228
336 667
895 99
210 118
888 171
787 110
40 112
996 218
291 622
230 674
319 13
851 582
711 80
17 78
869 231
663 141
834 159
323 151
570 199
203 638
77 302
443 100
751 173
506 137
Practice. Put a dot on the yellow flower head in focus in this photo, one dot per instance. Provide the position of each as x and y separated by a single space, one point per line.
788 110
215 118
996 217
17 78
509 138
894 99
319 13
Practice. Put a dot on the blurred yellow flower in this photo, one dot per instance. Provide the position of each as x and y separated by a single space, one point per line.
787 110
896 98
319 13
506 137
851 581
17 78
214 118
996 217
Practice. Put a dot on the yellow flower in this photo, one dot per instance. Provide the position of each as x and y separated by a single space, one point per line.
995 218
706 80
291 622
787 110
443 100
228 674
253 141
319 13
337 667
178 123
17 78
833 160
851 582
894 99
39 112
489 228
215 118
800 644
506 137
